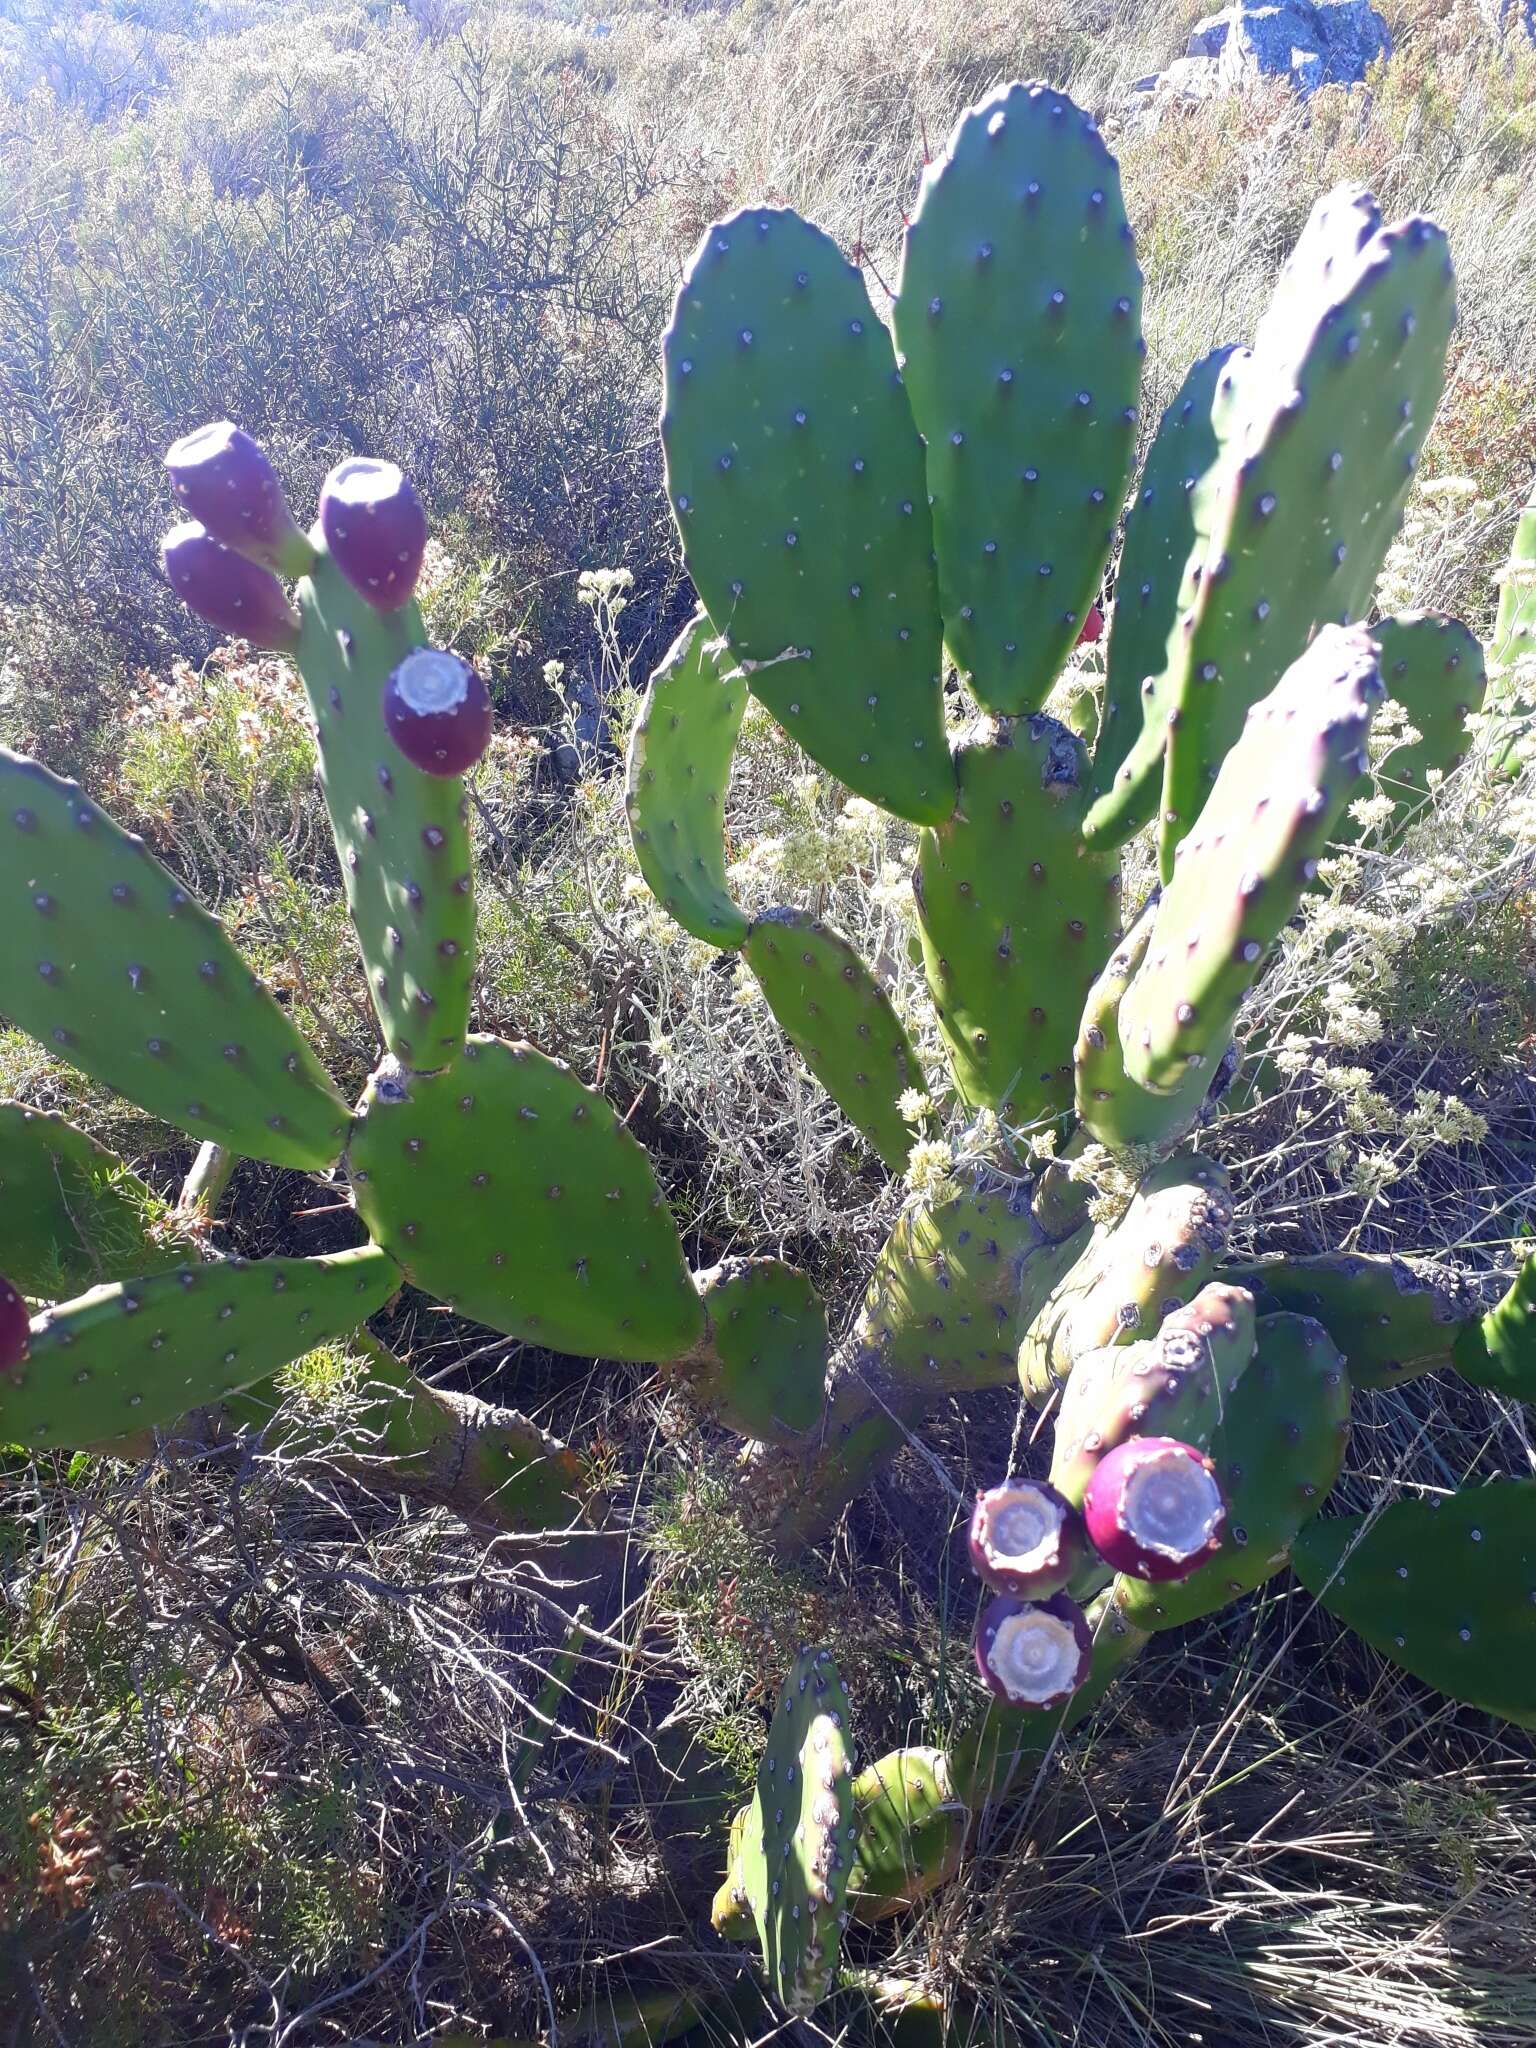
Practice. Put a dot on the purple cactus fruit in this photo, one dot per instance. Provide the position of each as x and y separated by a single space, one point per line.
228 590
437 711
222 479
1033 1653
15 1327
1154 1509
1026 1538
375 528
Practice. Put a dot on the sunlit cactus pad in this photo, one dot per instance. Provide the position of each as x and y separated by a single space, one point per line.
138 1353
513 1192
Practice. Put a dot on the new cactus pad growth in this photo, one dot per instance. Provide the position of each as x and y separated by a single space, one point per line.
1154 1509
1032 1653
1026 1539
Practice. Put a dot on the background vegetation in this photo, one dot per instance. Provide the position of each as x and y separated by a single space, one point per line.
256 1724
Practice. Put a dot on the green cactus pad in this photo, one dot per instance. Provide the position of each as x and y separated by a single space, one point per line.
1278 1450
999 1741
840 1021
957 1284
1347 369
1391 1323
1446 1588
911 1832
1018 318
762 1366
1175 1384
1498 1350
71 1213
402 836
796 476
796 1848
1433 667
109 963
1241 873
1158 1256
1015 916
1110 1105
514 1193
1166 531
136 1354
679 767
1512 650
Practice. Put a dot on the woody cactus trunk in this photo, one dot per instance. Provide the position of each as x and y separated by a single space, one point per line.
865 510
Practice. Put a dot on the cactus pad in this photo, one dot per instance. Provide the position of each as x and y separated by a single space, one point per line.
1110 1105
71 1213
1277 1449
840 1021
1015 916
1498 1350
1175 1385
796 1848
1018 318
1156 1258
1166 531
796 476
1512 650
1433 667
1391 1323
514 1193
402 835
1446 1588
911 1832
956 1285
135 1354
1242 871
679 768
109 963
1346 373
762 1367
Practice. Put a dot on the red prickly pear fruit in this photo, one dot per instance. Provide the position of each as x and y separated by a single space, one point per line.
1033 1653
223 479
1093 627
1154 1508
15 1327
1026 1538
228 590
375 528
437 711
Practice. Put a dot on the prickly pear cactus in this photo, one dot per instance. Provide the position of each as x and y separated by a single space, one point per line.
794 1856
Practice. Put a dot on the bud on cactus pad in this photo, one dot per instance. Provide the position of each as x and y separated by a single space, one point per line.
1154 1509
376 530
223 479
1026 1538
437 711
1033 1653
230 591
15 1327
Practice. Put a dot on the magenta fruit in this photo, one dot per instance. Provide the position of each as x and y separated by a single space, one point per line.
1033 1653
1026 1538
223 480
228 590
375 528
1154 1509
15 1327
437 711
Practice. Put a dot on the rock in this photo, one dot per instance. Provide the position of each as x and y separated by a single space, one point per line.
1308 42
1503 15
